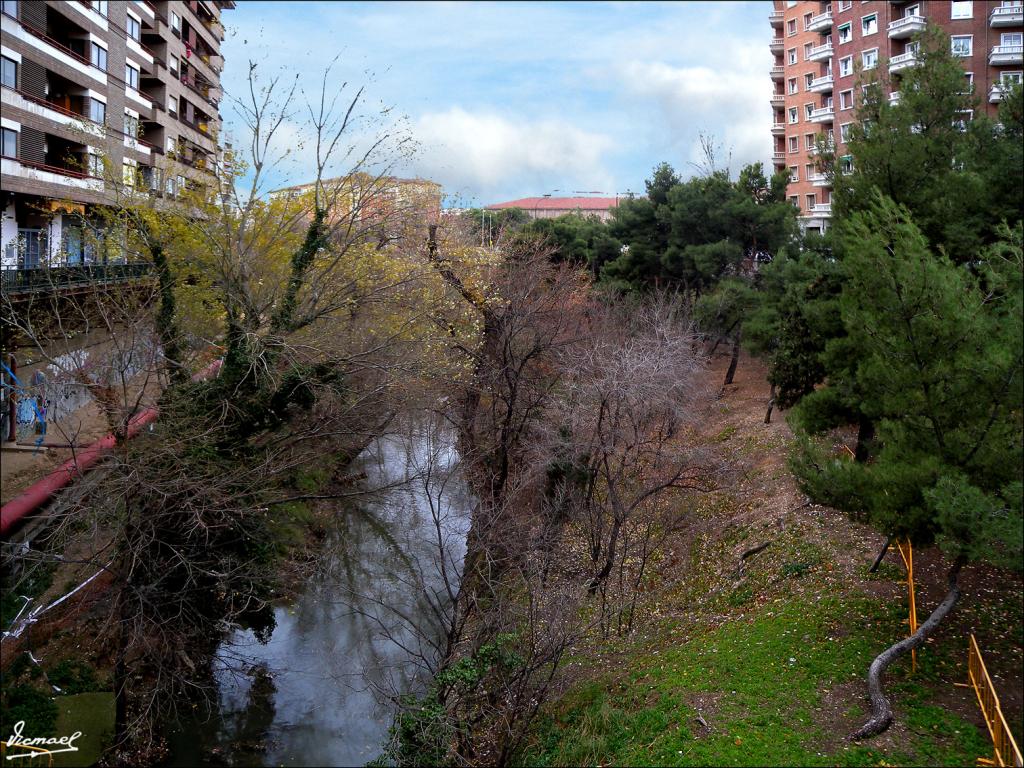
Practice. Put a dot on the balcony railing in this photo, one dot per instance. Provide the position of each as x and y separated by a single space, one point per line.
821 84
778 158
778 73
39 279
894 98
775 18
998 92
1006 16
778 129
822 209
819 180
776 45
821 22
778 100
1006 54
820 52
906 27
822 115
903 61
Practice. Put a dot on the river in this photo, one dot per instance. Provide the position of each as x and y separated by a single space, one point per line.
317 691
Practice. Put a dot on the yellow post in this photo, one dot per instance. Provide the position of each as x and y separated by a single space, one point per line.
908 560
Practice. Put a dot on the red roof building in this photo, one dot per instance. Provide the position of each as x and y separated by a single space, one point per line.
549 207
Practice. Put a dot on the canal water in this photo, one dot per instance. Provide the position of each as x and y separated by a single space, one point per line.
362 630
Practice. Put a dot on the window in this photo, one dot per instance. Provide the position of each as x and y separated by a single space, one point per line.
911 10
791 55
9 72
10 7
792 85
1011 38
846 99
100 6
969 77
844 132
98 56
133 28
807 50
811 200
808 79
964 119
794 201
169 185
846 164
794 146
794 173
181 184
961 9
172 105
807 19
808 170
793 117
173 65
962 45
808 110
131 125
128 174
845 33
870 58
9 143
1007 79
172 145
131 76
175 22
97 111
790 27
845 5
808 140
869 24
95 164
846 66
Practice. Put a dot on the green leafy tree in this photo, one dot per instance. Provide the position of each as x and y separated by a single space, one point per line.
939 372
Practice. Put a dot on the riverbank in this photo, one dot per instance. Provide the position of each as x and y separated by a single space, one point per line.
762 661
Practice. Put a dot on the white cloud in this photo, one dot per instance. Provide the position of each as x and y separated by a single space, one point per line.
484 151
728 102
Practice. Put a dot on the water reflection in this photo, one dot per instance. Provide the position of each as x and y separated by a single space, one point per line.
365 627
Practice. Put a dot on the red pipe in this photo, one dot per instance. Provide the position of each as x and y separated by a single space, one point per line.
37 494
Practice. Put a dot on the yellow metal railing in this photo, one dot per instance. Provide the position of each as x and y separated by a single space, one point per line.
31 754
906 551
1005 749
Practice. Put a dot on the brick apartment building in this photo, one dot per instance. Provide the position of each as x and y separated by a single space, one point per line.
818 44
134 84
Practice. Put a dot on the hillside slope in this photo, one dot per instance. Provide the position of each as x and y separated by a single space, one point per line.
765 664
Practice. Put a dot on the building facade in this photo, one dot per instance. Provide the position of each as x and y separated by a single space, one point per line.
548 207
819 45
97 93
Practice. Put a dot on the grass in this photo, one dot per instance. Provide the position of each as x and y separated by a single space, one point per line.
762 687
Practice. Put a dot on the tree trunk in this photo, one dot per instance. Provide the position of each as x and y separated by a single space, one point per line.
881 711
865 434
609 562
881 555
735 358
771 405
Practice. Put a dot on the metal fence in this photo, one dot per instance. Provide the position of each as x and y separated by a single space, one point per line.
1005 749
14 280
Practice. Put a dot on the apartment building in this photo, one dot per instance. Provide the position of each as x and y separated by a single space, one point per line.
818 46
94 85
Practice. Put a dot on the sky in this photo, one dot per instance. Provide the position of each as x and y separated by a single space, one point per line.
515 99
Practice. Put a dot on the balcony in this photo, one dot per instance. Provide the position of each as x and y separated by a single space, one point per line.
51 111
821 53
821 84
894 98
908 26
998 92
778 129
778 158
778 73
820 23
822 115
15 280
775 18
1006 54
829 147
776 45
822 209
903 61
778 100
52 174
819 180
1006 16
